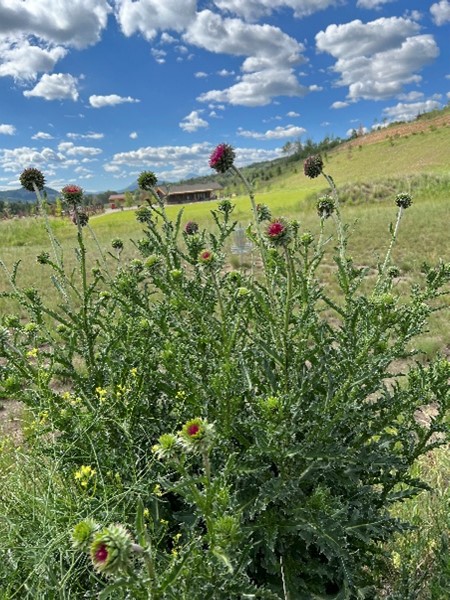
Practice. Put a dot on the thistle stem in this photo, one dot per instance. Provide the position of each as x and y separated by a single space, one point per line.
391 246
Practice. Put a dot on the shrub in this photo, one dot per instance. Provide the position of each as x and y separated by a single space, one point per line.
248 432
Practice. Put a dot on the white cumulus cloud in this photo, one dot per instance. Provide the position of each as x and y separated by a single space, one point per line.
278 133
110 100
193 122
7 129
377 59
147 17
372 3
69 149
408 112
22 61
76 23
58 86
270 56
441 12
42 135
254 9
91 135
133 135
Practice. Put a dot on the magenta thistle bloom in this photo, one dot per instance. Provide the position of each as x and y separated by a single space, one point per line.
191 228
278 232
101 554
196 434
192 429
313 166
275 229
72 194
32 177
222 158
205 257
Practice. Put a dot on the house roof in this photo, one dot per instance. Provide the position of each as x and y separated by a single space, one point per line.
172 190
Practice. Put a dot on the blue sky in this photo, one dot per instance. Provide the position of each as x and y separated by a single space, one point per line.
95 91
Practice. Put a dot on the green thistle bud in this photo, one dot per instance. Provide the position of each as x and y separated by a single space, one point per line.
32 177
393 272
166 447
147 180
263 213
11 321
117 244
243 291
111 550
43 258
144 214
403 200
83 533
176 273
152 261
325 207
307 238
225 206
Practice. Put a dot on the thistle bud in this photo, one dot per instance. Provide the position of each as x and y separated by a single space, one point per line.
313 166
403 200
117 244
325 207
83 533
191 228
147 180
111 550
32 177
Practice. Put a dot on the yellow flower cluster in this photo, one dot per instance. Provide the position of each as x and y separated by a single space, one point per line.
84 475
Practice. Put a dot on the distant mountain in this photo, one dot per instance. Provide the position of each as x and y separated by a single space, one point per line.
22 195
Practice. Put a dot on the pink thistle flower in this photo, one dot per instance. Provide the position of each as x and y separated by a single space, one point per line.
72 194
192 429
222 158
278 232
206 257
275 229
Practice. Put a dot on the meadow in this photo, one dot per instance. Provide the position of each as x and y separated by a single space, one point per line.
311 379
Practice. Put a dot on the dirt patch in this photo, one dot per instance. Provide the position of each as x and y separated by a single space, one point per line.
11 420
400 130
